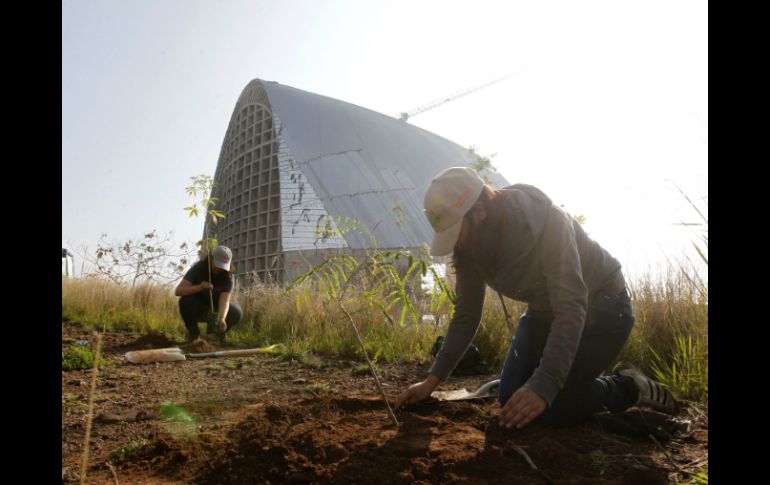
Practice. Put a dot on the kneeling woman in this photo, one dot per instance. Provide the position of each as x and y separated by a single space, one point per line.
579 315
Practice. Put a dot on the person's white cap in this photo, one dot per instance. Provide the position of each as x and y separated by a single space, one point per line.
450 195
221 257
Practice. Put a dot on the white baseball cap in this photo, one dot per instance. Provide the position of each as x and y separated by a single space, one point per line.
450 195
222 257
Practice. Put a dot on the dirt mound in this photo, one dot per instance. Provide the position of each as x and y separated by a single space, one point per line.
199 347
338 440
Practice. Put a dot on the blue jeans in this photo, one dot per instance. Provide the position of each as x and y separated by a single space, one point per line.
609 320
194 311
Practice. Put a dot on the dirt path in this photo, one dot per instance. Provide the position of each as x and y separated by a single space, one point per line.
261 420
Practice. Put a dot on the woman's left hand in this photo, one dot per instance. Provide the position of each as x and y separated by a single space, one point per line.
524 406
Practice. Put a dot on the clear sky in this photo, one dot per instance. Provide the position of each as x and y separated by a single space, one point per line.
608 115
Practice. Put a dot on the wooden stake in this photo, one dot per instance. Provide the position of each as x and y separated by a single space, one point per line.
90 417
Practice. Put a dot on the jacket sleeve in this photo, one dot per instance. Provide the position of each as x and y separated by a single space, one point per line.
568 295
465 322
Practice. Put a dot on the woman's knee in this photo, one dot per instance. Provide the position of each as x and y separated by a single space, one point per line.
523 356
515 374
189 306
234 312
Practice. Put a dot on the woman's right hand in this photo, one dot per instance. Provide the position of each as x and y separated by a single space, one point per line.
205 285
416 392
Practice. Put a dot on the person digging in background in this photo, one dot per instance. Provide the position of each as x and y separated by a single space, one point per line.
209 282
579 313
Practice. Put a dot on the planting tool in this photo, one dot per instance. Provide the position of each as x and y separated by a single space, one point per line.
172 354
488 389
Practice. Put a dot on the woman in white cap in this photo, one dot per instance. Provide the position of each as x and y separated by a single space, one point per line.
209 283
579 316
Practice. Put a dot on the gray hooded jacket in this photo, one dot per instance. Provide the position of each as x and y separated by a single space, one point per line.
546 259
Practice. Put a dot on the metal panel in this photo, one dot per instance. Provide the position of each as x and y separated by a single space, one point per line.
363 164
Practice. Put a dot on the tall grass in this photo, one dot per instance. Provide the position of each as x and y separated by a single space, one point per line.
301 318
686 370
305 314
669 340
103 305
670 337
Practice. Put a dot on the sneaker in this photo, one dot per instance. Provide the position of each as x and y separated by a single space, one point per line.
651 394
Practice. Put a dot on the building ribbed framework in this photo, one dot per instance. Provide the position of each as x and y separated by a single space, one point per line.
248 186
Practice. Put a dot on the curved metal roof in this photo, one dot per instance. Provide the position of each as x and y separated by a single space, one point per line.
364 165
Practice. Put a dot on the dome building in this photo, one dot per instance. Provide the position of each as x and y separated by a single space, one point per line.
293 164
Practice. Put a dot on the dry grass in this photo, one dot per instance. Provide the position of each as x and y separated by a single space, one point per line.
666 311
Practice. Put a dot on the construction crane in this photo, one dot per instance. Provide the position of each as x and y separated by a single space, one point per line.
404 116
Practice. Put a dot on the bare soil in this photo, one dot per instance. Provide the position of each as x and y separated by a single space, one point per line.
262 420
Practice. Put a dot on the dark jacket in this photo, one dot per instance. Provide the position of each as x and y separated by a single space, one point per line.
546 259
